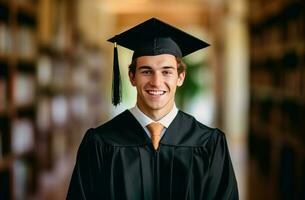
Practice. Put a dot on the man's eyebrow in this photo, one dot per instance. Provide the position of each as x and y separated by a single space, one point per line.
144 67
148 67
168 67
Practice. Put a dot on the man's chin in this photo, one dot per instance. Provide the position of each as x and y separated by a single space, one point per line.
155 107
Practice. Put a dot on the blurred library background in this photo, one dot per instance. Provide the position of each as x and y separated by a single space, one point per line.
56 72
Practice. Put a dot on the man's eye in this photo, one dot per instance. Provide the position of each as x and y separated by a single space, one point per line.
146 72
167 72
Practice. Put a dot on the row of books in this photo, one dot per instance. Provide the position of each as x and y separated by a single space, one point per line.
58 110
279 117
5 39
25 90
265 17
288 86
267 51
48 75
54 73
23 139
281 29
286 60
55 110
24 41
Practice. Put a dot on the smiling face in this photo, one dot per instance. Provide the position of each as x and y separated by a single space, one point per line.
156 79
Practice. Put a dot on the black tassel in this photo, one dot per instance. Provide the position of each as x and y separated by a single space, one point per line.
116 79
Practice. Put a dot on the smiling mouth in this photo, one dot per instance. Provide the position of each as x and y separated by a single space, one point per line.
156 92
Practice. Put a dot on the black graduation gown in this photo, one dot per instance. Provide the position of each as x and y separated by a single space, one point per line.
117 161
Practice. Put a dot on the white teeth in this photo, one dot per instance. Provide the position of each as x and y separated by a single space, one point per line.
156 92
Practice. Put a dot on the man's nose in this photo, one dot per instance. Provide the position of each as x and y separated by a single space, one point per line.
156 79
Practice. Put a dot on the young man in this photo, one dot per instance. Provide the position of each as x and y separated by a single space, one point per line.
154 150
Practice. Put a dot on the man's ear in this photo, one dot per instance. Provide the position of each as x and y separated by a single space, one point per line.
132 78
181 78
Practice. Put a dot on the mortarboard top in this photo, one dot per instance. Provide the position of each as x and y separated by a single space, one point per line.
152 37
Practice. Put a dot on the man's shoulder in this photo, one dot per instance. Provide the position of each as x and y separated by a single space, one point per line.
192 123
185 130
214 134
116 122
120 130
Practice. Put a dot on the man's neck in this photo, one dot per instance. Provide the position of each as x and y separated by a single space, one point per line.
156 114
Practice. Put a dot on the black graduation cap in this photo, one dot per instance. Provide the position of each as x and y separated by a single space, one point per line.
152 37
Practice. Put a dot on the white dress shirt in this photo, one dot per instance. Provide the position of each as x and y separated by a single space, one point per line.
144 120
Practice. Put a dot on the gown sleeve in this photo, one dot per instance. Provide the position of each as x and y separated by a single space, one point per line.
88 163
222 181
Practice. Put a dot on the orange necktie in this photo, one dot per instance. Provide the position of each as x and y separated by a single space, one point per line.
155 129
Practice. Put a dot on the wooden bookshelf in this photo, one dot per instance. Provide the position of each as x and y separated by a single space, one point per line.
277 103
49 81
18 160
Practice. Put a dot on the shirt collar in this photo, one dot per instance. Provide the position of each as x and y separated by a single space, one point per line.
144 120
